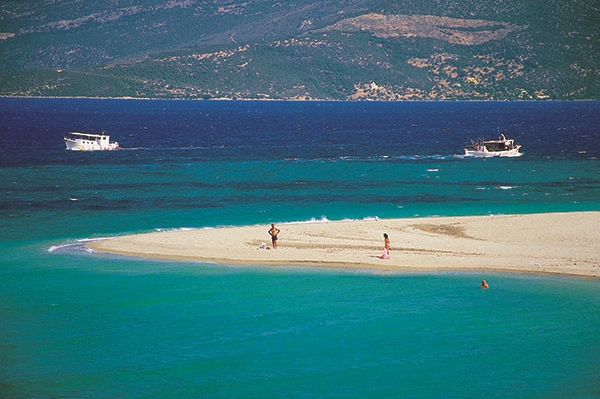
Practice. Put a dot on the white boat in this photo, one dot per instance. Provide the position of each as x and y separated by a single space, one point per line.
76 141
502 147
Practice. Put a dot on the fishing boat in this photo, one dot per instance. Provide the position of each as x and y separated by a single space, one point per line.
502 147
76 141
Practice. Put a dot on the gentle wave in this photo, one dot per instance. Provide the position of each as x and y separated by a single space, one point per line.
380 158
77 246
324 219
167 229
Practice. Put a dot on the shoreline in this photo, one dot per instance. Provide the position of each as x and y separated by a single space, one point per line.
549 243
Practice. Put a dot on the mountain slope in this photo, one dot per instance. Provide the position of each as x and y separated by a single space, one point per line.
353 49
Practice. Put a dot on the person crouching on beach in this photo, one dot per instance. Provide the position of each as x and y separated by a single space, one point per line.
273 232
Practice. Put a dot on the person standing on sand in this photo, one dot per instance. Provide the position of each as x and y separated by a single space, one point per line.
386 247
386 242
273 232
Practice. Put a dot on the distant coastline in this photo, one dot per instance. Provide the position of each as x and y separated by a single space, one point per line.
303 100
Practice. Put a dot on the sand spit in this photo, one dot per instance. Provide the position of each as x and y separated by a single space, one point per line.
549 243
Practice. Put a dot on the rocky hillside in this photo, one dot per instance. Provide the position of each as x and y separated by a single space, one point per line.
305 49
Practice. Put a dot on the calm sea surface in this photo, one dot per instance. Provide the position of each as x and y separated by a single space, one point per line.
75 324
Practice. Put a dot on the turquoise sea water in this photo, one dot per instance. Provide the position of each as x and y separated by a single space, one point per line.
75 324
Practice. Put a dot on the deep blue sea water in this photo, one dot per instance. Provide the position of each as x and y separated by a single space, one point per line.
75 324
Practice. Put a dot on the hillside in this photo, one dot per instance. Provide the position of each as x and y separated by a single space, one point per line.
306 49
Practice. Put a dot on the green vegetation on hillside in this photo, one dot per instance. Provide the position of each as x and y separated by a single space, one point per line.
259 49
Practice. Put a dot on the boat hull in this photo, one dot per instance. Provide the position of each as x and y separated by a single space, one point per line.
488 154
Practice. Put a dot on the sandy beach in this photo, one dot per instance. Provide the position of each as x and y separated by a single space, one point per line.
549 243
